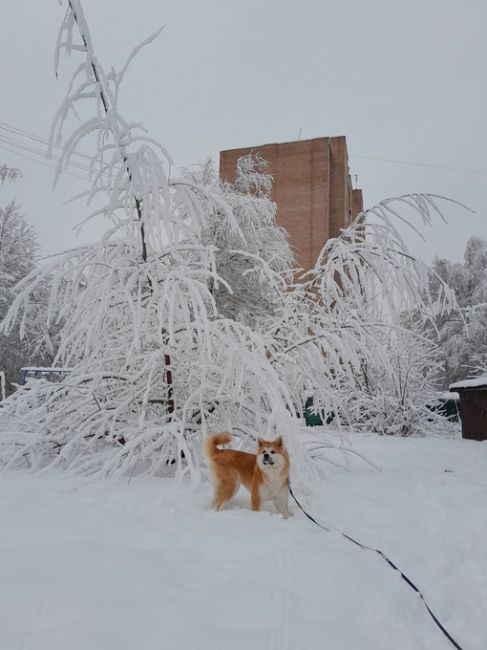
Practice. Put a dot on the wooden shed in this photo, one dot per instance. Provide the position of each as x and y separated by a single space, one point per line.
473 407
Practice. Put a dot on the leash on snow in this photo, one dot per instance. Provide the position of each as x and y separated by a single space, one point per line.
390 563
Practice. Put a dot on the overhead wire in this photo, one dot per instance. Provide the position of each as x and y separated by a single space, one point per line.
19 147
37 151
418 164
4 126
32 136
36 160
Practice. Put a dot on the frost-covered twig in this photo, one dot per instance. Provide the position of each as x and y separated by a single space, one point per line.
9 173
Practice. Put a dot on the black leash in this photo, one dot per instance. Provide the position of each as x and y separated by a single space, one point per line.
390 563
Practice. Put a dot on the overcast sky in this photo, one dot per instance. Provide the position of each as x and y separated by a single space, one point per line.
403 81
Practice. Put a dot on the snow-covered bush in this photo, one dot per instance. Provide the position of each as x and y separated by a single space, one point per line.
378 367
393 393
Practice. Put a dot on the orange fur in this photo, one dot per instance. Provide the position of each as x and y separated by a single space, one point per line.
265 474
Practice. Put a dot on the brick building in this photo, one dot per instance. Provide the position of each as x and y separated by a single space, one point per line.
312 190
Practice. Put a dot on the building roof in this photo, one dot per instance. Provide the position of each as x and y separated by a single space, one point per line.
475 382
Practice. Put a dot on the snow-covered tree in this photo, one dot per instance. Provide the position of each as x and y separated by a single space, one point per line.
463 334
18 257
152 357
182 319
252 258
18 249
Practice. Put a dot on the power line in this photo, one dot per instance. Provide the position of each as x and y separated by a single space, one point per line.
15 130
36 151
20 146
27 134
40 162
417 164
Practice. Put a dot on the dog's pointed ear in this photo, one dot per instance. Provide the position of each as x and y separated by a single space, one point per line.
279 441
260 442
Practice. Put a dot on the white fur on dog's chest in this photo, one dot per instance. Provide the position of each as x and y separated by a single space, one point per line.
272 487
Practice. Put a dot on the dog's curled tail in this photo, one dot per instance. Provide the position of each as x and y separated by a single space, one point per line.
210 445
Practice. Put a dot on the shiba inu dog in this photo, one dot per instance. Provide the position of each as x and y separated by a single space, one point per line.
264 474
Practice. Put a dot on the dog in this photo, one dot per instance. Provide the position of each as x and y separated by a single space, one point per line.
264 474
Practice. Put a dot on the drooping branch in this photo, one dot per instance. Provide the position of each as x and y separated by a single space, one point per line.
79 19
108 101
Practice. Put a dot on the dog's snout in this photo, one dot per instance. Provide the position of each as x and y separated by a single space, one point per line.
267 459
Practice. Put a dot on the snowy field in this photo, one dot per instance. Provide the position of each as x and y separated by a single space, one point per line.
147 565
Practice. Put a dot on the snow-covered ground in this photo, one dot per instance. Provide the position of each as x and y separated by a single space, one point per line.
147 565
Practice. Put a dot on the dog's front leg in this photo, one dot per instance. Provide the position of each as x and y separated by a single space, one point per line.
255 497
281 502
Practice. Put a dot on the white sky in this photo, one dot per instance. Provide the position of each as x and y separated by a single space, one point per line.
402 80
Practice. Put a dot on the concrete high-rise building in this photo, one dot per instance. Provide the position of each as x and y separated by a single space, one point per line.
312 189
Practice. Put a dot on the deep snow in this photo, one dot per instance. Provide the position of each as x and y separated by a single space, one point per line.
145 564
